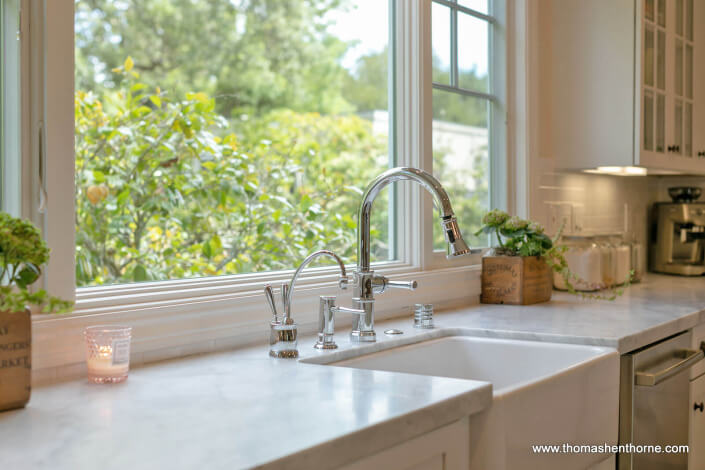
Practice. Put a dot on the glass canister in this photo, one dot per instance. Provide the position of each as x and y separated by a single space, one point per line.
608 254
637 256
622 259
584 258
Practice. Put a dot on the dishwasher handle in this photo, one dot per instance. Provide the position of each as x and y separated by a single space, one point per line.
689 357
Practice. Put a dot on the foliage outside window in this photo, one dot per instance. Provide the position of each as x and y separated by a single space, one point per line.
224 137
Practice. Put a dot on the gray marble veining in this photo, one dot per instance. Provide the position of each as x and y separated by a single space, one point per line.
230 410
242 409
648 311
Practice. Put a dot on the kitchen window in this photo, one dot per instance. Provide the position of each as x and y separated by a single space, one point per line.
217 143
226 137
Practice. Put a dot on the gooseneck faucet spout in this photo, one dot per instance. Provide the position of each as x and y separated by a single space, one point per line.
457 245
342 280
366 282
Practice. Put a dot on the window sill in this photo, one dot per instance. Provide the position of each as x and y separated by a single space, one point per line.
217 317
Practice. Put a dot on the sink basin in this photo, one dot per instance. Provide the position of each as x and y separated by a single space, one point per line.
507 364
543 393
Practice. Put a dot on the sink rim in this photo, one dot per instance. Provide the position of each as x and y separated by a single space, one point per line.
330 358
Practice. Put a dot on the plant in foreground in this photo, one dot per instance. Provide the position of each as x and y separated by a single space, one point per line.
22 254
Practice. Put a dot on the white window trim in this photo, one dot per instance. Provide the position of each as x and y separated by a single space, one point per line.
220 312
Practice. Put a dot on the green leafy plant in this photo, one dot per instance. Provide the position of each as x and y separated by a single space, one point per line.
241 158
519 237
22 254
167 188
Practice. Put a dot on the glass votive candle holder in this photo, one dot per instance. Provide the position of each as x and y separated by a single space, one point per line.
107 353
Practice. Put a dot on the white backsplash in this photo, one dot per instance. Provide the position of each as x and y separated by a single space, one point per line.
590 203
594 203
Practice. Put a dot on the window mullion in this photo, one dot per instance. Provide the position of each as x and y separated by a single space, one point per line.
57 54
413 123
396 204
454 47
501 193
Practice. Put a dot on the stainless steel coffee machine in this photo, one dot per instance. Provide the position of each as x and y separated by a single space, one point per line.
678 234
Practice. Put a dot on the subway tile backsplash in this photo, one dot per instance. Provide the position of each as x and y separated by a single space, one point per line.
589 203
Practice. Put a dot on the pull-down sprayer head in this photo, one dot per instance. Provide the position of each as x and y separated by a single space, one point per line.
456 244
451 232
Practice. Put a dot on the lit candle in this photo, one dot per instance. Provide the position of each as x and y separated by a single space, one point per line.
108 353
103 364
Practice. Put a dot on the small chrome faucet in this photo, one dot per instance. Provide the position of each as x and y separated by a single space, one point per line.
366 282
326 321
282 341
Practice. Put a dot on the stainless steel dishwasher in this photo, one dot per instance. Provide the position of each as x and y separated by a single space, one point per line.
654 403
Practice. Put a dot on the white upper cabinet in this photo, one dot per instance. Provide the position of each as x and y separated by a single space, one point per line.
624 85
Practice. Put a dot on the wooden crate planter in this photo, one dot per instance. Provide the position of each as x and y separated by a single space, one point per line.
515 280
15 359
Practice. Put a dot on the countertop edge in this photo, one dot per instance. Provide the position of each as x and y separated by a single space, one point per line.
658 332
378 437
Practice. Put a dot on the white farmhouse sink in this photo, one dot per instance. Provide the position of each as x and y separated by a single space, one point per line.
543 393
507 364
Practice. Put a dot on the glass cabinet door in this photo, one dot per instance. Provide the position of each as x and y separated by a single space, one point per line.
682 139
653 136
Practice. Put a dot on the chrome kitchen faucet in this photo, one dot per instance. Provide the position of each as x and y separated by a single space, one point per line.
366 282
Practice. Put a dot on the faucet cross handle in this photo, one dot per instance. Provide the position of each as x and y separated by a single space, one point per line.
408 285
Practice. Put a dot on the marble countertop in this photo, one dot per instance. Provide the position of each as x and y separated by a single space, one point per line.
242 409
231 410
650 310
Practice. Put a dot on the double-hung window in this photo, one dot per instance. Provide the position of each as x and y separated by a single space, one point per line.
216 143
467 97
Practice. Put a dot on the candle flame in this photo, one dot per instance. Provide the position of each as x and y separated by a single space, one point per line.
105 351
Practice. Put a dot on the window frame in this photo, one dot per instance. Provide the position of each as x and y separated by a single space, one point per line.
10 108
230 309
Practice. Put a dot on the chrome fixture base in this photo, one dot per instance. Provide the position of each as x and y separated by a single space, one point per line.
289 354
357 336
283 340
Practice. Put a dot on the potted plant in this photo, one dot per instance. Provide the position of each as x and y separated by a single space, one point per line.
22 254
520 270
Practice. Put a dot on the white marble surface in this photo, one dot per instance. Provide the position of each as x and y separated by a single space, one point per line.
231 410
242 409
648 311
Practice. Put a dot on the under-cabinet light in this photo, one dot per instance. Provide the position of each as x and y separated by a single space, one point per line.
619 170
